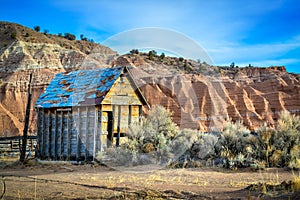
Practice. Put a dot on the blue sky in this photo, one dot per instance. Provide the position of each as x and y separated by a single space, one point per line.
261 33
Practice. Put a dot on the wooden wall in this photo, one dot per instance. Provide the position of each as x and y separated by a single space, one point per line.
79 133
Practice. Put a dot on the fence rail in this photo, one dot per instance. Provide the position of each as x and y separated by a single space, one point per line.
11 146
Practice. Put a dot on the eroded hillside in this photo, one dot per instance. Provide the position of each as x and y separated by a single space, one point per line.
200 96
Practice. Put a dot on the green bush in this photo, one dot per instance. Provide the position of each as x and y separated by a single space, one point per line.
204 147
151 141
287 137
236 145
158 140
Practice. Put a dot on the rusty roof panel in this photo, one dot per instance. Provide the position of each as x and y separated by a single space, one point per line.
82 87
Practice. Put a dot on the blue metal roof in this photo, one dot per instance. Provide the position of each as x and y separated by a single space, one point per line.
76 88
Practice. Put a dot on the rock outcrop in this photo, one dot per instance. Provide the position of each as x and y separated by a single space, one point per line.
200 96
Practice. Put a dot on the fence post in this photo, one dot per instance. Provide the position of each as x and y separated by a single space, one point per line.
24 139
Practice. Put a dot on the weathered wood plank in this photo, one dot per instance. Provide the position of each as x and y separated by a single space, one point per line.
90 133
65 135
78 134
52 135
46 134
119 126
113 124
56 137
122 93
40 132
74 134
99 146
69 129
60 135
95 131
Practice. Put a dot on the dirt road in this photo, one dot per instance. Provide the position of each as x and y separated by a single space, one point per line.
66 181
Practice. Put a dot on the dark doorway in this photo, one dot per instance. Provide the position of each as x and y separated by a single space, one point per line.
110 128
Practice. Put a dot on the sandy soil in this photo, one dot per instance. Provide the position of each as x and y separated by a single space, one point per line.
66 181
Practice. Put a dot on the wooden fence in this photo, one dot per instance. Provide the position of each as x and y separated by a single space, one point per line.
11 146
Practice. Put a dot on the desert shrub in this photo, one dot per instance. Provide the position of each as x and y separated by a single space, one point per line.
266 137
204 147
151 141
236 145
275 159
296 182
70 36
182 144
294 162
13 35
134 51
287 137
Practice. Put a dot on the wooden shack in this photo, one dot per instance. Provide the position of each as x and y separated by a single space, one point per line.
85 111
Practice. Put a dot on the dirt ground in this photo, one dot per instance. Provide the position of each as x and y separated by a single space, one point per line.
37 180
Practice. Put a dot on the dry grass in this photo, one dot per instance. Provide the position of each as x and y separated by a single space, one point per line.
296 182
58 181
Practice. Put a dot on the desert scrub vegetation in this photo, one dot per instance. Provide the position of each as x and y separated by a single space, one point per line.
156 140
267 147
159 140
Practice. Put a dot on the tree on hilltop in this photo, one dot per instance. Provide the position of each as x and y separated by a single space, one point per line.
37 28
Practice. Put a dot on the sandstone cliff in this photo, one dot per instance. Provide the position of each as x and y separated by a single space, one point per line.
203 96
200 96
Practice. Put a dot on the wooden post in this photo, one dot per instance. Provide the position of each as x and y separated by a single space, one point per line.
40 132
25 131
78 135
86 133
69 129
56 136
61 136
119 125
113 123
95 131
99 135
48 134
52 135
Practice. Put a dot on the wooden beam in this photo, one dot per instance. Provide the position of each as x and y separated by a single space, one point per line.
40 132
113 123
47 134
52 134
86 133
119 125
99 136
27 115
78 135
56 137
69 128
61 135
95 131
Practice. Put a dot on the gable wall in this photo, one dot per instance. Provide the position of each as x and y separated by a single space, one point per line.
122 93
